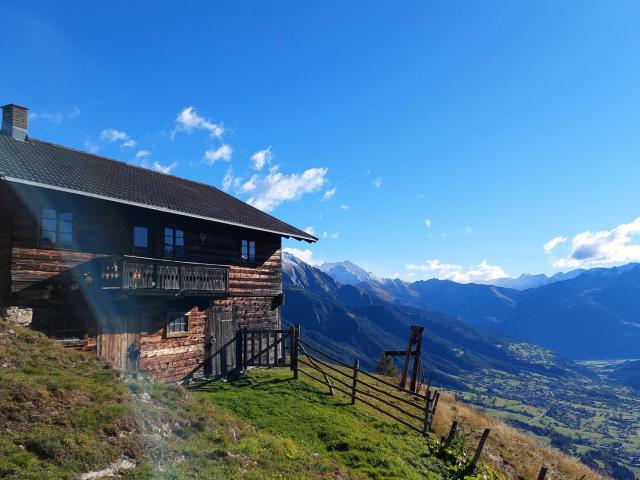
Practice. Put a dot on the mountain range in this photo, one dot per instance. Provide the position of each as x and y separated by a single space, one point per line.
583 314
351 321
584 408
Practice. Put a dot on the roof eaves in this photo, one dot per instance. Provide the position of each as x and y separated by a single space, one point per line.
306 237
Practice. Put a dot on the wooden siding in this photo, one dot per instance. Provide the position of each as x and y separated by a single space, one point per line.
105 228
54 281
5 244
172 358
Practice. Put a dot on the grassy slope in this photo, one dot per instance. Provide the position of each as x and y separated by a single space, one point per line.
266 426
60 412
64 413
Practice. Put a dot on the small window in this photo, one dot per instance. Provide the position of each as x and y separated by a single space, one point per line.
56 227
249 252
173 242
140 237
177 323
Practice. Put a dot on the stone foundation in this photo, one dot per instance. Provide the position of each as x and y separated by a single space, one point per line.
19 315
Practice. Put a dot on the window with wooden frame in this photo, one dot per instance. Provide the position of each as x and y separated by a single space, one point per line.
56 228
140 238
173 242
248 252
177 324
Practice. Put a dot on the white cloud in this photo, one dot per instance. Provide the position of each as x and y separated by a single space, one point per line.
270 190
553 243
335 235
427 222
329 194
111 135
343 207
457 273
304 255
189 120
53 117
262 158
468 230
228 179
143 154
377 183
222 153
606 247
158 167
310 230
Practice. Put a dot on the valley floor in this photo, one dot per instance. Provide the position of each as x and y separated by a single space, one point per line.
598 423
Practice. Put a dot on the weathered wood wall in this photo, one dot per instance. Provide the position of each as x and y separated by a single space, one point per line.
106 228
5 243
171 358
52 280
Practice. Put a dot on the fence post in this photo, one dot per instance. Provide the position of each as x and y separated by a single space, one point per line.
245 349
452 434
239 350
426 425
476 457
296 350
356 366
543 473
435 405
292 345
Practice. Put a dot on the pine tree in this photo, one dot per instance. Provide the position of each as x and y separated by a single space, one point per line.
386 365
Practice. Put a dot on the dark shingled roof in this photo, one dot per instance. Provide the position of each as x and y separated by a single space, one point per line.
52 166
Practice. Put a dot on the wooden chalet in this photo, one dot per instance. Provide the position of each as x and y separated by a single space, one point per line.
140 267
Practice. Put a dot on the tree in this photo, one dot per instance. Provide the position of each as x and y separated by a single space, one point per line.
386 365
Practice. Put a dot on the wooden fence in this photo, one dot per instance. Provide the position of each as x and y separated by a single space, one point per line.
286 348
413 410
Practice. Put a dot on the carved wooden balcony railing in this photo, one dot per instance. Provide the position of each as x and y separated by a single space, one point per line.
147 275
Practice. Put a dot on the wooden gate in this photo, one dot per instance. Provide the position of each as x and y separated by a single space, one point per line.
221 342
266 348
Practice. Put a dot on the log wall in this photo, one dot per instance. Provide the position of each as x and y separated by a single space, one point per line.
53 281
5 244
106 228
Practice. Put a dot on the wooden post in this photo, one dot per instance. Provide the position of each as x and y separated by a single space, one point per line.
429 384
245 354
417 335
407 359
476 457
435 404
296 350
356 366
292 346
452 434
543 473
239 349
426 425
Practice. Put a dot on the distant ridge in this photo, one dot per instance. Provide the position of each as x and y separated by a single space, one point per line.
581 314
526 280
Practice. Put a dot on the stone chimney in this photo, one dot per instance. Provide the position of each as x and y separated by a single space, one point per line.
14 121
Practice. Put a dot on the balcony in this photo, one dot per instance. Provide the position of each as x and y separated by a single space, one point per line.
162 277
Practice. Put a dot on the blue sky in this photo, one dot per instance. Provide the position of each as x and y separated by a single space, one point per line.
419 139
